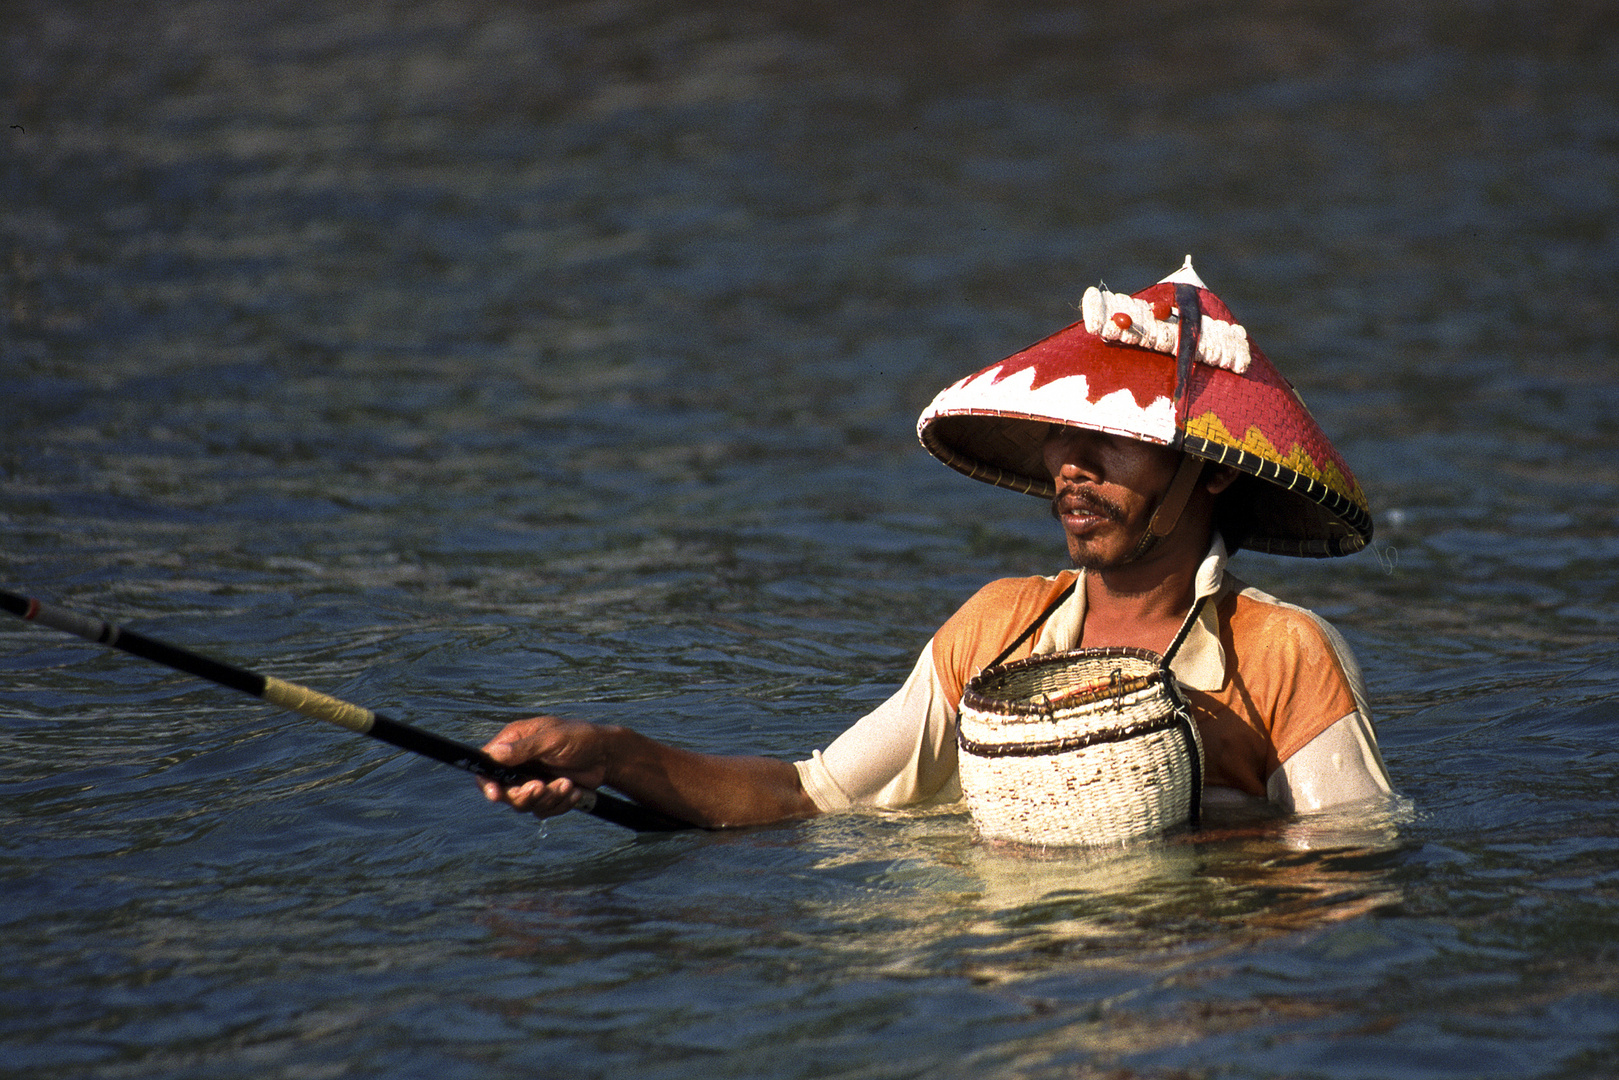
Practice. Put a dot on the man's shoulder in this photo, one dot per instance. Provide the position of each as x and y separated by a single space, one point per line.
1257 599
1013 590
1254 615
994 615
1291 650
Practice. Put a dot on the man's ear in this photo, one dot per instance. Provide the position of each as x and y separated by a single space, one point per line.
1216 478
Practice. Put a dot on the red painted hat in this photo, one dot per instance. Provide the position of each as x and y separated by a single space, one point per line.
1167 365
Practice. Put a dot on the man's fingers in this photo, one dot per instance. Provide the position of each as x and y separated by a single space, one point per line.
540 740
502 751
534 791
535 796
506 747
516 742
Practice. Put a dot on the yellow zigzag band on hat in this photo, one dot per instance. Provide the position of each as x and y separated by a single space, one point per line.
1254 441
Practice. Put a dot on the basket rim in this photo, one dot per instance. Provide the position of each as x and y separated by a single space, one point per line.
975 695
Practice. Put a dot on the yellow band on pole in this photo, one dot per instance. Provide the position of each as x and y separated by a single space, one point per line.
312 703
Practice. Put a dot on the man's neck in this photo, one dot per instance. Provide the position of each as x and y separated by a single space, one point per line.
1141 604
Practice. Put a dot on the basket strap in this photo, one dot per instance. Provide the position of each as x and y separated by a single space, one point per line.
1181 634
1039 619
1189 734
1183 710
1062 598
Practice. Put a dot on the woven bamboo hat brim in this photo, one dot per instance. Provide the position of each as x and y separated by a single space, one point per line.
1142 367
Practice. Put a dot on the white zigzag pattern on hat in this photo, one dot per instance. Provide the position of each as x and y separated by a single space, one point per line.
1061 401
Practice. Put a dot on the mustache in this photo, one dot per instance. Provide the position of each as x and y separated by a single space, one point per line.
1084 500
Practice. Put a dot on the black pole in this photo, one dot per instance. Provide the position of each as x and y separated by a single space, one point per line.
312 703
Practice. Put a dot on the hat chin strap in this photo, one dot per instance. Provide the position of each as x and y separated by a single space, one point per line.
1171 506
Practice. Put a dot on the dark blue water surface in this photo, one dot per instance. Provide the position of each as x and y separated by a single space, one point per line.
468 359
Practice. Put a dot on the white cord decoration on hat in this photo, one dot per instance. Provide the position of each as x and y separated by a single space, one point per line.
1123 318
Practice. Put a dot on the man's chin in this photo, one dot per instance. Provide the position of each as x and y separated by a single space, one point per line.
1097 560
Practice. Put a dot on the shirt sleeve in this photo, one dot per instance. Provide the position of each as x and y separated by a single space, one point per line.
903 753
1340 766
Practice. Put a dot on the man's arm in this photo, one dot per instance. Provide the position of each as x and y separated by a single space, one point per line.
705 789
1312 676
1340 766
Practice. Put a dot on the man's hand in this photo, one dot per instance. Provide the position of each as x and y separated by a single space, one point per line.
576 752
703 789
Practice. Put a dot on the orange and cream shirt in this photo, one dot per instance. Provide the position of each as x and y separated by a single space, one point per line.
1275 690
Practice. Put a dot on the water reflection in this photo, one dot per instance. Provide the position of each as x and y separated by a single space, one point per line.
1041 957
1240 880
1103 956
1005 910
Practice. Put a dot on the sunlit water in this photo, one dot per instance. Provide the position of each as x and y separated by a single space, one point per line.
471 359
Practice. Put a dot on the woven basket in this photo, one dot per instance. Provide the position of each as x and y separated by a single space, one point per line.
1093 746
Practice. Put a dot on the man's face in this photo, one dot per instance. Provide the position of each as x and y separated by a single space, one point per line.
1107 488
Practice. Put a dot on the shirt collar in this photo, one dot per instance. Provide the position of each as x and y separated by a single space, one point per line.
1200 661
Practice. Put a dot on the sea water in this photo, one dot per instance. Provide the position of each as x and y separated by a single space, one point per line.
473 359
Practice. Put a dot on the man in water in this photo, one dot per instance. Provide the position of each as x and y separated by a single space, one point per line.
1164 440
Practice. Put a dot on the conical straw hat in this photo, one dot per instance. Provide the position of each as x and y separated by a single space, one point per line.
1128 369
